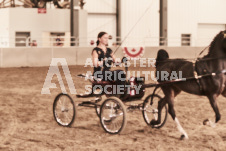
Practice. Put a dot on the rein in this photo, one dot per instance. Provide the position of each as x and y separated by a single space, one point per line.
196 59
203 50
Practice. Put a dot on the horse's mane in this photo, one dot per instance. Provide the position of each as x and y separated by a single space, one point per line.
212 44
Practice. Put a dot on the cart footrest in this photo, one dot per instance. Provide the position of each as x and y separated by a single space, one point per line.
135 107
81 75
88 95
88 104
83 95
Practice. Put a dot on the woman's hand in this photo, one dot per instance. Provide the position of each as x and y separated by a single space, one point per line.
124 60
117 63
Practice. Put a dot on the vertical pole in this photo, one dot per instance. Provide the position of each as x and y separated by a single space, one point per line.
72 20
118 21
163 23
12 3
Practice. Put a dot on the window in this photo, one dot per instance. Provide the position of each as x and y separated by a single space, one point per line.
185 39
22 39
57 39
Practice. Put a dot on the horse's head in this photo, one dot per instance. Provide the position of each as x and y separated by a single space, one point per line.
218 45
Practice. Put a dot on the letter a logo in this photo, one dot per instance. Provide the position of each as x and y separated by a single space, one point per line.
54 70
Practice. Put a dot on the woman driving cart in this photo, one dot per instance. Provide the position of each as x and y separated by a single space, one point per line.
102 58
112 111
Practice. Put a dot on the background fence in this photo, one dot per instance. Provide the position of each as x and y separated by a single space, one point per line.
66 41
36 57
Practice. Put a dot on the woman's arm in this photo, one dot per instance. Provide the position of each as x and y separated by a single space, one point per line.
113 58
96 63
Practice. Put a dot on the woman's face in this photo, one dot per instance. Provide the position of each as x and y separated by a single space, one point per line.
104 39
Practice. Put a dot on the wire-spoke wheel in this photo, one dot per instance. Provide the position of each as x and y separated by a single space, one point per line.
150 111
64 110
97 107
113 115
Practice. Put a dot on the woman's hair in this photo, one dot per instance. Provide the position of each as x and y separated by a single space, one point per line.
99 36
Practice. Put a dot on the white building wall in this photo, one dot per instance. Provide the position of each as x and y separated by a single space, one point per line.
211 20
101 17
100 6
211 11
185 16
182 19
28 20
143 15
4 28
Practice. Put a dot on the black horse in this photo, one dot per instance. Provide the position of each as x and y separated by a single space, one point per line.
211 86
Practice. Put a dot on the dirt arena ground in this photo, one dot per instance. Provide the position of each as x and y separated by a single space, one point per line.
27 121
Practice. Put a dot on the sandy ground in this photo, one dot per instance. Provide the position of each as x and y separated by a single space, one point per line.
27 121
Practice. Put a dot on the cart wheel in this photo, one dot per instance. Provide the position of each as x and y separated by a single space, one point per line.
64 110
97 107
150 111
113 115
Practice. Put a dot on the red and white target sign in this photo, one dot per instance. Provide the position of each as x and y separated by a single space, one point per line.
133 52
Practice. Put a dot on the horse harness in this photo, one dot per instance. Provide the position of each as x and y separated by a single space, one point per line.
197 77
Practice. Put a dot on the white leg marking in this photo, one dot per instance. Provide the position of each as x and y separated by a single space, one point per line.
212 124
180 128
209 122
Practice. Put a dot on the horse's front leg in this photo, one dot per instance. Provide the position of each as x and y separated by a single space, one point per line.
213 102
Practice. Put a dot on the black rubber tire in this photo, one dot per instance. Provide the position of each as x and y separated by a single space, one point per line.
119 106
73 108
144 112
97 107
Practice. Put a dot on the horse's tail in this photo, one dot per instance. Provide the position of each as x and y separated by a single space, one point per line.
161 56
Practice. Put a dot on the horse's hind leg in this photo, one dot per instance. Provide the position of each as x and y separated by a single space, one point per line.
179 127
170 95
161 104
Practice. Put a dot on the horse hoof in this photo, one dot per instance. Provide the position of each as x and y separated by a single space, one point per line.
206 122
153 123
209 123
183 137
